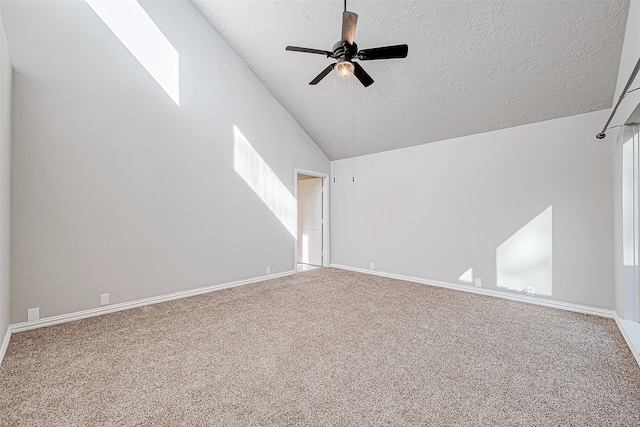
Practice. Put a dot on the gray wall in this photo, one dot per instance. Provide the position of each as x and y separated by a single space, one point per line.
116 188
436 210
5 180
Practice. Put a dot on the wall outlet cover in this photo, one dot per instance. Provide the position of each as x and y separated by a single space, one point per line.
33 314
104 299
268 270
371 266
478 283
531 290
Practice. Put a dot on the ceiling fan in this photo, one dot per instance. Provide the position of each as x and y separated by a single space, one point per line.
345 51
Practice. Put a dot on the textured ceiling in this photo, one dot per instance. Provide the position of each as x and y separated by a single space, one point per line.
473 66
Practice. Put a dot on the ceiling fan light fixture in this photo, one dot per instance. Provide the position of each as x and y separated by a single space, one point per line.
344 69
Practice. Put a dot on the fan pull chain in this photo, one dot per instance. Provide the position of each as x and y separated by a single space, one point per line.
333 163
353 130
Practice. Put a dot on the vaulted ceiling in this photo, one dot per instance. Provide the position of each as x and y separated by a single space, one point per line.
473 66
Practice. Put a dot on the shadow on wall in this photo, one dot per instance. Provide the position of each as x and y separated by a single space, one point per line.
141 36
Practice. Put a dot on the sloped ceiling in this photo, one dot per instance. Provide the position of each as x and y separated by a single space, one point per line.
473 66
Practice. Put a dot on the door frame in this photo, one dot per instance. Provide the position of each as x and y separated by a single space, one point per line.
325 214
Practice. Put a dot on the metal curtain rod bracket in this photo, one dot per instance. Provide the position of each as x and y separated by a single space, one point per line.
625 91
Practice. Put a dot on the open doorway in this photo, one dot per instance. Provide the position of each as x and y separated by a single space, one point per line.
311 228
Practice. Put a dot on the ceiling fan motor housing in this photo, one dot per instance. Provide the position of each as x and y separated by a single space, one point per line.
344 51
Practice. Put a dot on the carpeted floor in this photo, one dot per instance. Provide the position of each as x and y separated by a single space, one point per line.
324 347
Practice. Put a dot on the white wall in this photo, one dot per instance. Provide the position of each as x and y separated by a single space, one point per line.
436 210
5 183
116 188
630 55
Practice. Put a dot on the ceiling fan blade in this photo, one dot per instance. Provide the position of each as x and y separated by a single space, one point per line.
307 50
387 52
362 75
322 75
349 22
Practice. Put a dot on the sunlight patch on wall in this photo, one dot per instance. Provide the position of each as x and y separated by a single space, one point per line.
467 276
264 182
136 30
524 260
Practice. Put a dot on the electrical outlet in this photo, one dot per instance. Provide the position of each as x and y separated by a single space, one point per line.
531 290
478 283
104 299
33 314
268 270
371 266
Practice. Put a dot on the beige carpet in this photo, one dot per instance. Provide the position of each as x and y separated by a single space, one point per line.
324 347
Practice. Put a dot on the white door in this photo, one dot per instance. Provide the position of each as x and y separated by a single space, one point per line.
310 221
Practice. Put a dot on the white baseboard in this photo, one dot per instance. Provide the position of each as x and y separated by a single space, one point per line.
5 344
489 292
70 317
635 351
24 326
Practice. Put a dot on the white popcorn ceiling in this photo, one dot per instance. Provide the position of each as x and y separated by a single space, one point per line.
473 66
